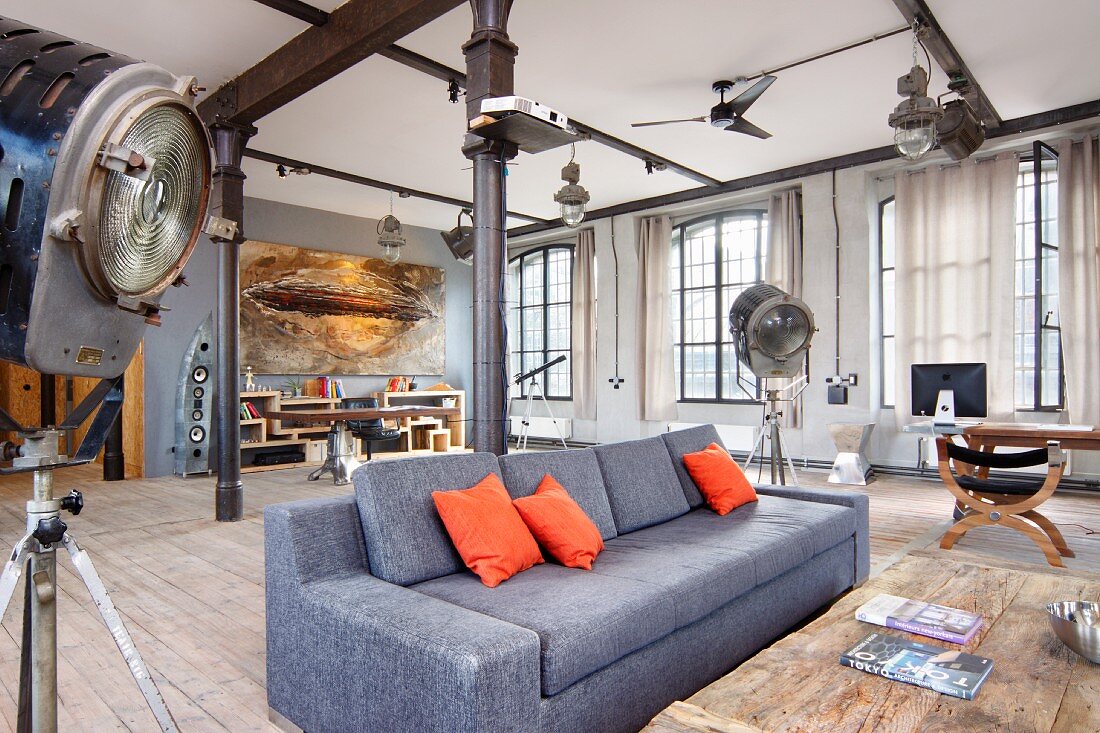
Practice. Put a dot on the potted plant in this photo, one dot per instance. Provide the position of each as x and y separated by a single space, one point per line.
293 386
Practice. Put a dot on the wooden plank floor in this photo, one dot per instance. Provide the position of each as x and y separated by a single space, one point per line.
191 589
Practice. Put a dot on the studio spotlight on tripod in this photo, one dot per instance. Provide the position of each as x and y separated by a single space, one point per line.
772 332
104 181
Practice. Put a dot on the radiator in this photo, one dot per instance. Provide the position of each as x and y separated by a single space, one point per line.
542 427
737 438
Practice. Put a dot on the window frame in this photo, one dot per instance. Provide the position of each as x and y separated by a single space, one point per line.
760 214
882 269
1041 152
544 306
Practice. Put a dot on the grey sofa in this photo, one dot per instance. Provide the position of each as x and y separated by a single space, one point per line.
374 624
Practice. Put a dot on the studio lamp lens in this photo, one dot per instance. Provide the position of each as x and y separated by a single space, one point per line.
783 330
148 226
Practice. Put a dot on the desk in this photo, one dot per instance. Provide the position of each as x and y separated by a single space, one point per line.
341 460
1023 435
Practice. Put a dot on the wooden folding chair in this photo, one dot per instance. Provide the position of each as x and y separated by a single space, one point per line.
1006 502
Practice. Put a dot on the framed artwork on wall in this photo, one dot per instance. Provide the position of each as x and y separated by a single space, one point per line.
306 311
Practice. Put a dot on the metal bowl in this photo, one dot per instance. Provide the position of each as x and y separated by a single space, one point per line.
1077 624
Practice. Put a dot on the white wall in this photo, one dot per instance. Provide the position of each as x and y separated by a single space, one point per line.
858 191
303 227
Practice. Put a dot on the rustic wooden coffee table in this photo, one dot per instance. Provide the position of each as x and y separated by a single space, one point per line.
797 684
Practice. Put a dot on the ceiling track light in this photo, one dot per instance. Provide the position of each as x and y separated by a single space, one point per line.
460 240
283 172
391 236
572 197
960 131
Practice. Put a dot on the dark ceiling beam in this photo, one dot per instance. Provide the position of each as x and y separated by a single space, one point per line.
298 9
431 67
946 55
1019 125
354 31
375 183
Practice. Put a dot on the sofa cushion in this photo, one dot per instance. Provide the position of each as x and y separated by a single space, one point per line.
560 525
642 485
405 538
689 440
719 478
584 621
576 470
487 530
697 578
779 534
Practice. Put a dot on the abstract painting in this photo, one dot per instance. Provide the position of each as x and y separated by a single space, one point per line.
306 311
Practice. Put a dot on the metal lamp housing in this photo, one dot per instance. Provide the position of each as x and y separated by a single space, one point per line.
772 331
460 240
104 183
914 119
960 131
572 197
390 238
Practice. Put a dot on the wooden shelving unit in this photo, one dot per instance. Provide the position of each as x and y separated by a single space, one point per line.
419 435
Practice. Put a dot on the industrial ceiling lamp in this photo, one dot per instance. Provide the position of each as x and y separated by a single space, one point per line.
914 119
572 197
460 240
391 238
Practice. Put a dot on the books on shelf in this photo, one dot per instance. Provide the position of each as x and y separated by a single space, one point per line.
918 617
326 387
249 411
948 672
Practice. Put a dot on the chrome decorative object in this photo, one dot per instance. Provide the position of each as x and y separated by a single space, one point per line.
1077 624
851 466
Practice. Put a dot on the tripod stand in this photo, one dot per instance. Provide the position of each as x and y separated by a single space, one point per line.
37 552
773 431
525 429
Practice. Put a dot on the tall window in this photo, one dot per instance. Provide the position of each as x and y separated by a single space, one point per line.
1040 378
714 258
539 316
886 297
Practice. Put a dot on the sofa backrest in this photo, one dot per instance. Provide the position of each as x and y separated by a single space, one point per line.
577 471
405 538
642 485
689 440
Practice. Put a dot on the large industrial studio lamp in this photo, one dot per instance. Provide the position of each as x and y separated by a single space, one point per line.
104 182
771 333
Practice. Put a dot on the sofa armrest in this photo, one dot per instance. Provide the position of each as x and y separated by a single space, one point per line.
358 653
313 539
852 499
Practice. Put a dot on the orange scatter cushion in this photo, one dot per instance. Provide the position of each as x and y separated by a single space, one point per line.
560 525
487 530
720 480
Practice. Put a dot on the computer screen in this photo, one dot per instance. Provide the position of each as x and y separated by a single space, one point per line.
968 381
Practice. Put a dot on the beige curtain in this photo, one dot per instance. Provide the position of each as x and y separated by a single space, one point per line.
656 374
955 236
1079 275
584 326
783 268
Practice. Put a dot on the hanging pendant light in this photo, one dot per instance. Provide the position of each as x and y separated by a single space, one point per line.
572 197
914 119
391 237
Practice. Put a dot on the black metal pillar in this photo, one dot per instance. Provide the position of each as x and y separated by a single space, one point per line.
490 60
227 202
114 458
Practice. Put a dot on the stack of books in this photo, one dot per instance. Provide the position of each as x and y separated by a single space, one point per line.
249 411
954 673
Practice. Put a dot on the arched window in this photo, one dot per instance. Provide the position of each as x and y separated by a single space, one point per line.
714 258
540 305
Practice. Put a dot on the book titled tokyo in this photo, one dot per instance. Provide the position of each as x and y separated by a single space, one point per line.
948 672
918 617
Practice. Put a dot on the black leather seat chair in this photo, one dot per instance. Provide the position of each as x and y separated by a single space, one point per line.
369 431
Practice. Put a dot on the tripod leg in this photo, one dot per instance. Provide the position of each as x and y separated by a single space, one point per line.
756 446
42 664
23 722
525 424
553 419
776 450
13 570
787 458
121 636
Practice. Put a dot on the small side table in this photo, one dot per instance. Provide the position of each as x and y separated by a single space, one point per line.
851 465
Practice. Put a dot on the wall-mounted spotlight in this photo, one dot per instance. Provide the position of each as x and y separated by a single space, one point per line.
572 197
391 237
652 166
453 90
960 131
460 240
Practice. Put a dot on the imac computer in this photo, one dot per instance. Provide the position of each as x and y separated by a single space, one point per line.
948 391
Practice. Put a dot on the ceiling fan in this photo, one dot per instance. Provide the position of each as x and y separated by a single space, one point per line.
728 115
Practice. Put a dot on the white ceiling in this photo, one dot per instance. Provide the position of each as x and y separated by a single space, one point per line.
607 63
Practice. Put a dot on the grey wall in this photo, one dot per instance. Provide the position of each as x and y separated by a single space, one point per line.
304 227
